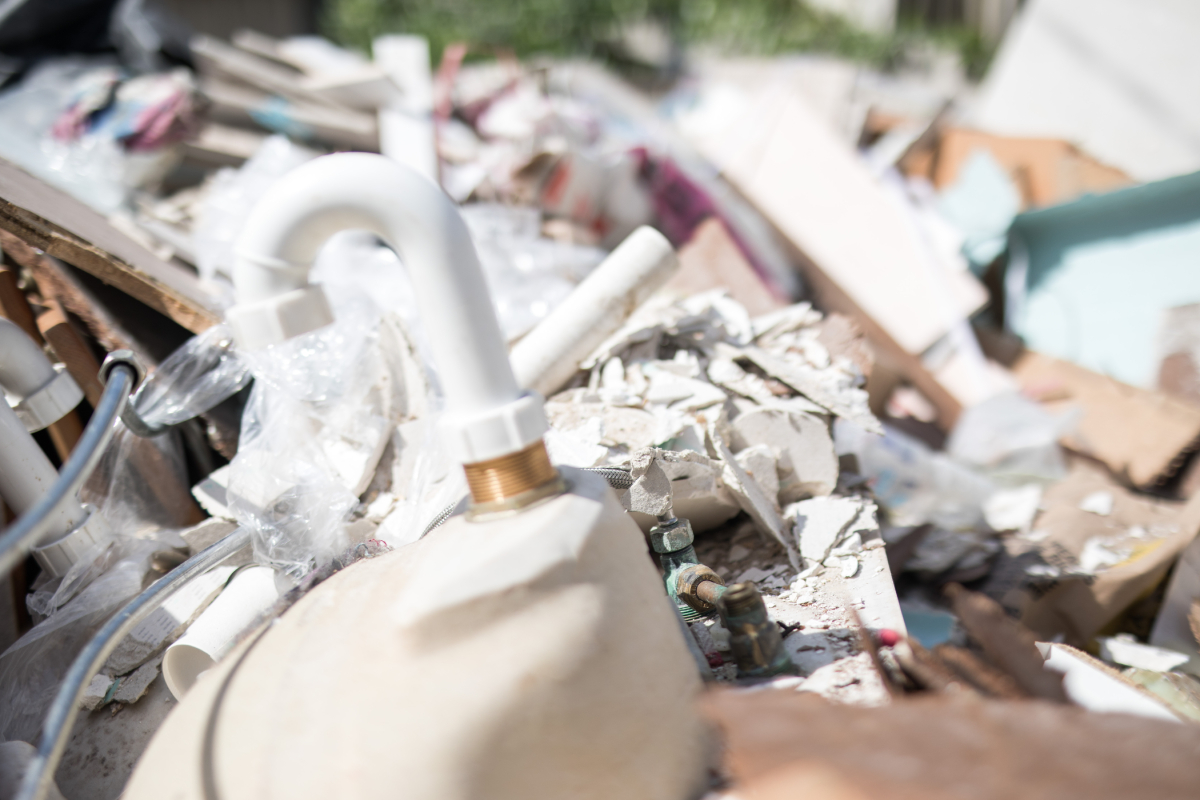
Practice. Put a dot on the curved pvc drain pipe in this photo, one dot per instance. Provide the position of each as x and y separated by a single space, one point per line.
487 414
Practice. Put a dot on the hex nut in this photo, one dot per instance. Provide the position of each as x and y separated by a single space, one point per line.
671 536
129 359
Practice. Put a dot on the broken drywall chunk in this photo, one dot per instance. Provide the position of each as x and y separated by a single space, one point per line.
803 446
698 492
96 691
651 489
835 390
760 463
820 523
852 680
134 685
167 622
579 447
751 496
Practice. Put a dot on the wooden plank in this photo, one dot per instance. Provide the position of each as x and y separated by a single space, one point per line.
219 58
223 145
784 159
855 246
13 305
65 228
71 350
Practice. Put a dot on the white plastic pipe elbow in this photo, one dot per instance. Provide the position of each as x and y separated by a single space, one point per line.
487 414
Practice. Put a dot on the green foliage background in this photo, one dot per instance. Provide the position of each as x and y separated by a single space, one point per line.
586 27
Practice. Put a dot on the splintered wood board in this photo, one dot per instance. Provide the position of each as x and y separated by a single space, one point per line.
66 228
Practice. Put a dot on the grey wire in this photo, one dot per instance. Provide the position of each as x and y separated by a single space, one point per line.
65 708
619 479
20 537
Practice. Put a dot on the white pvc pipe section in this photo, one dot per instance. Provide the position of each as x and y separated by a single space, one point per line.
251 593
24 368
374 193
546 358
26 475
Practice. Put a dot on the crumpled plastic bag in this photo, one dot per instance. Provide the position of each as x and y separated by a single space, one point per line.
140 485
34 666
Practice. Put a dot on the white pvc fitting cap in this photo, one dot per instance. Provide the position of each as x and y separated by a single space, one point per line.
50 403
277 319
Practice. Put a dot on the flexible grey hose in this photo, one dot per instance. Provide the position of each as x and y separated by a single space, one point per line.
20 537
619 479
61 717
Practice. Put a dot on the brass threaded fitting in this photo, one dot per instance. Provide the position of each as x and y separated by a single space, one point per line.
699 587
741 598
495 483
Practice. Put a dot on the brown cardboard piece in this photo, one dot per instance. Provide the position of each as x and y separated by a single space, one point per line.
1044 576
1177 626
1045 171
1142 436
948 746
711 260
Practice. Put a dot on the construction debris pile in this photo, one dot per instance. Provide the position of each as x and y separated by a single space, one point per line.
903 394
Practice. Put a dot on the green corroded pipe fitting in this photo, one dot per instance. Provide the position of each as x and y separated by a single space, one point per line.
754 637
